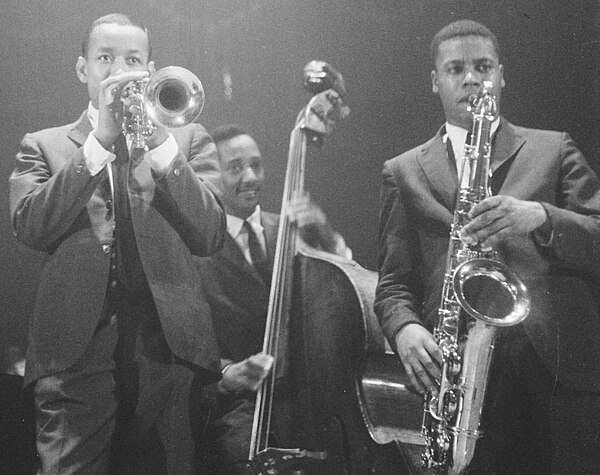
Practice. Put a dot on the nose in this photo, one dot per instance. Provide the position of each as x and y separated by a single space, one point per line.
249 175
118 65
472 77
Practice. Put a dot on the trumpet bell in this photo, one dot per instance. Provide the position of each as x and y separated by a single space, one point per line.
174 97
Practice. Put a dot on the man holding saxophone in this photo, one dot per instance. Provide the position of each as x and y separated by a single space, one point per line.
542 405
115 338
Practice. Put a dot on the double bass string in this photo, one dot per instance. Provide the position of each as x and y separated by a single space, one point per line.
280 289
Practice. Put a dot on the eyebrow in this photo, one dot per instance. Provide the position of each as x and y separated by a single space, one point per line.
110 49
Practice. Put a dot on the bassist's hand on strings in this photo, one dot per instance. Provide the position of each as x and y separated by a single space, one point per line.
246 375
421 357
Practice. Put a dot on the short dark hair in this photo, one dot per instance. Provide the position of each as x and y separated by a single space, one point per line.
462 28
226 132
111 19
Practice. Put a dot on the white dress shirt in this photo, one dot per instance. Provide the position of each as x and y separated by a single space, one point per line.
458 137
236 229
96 156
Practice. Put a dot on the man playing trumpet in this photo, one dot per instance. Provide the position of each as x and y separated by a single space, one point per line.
115 337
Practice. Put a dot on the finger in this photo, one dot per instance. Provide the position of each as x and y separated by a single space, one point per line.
125 77
497 238
485 205
423 375
489 230
413 379
434 350
431 366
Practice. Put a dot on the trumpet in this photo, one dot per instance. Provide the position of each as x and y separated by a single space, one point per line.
171 97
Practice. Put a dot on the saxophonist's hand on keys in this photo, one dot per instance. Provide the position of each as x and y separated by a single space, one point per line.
500 218
421 357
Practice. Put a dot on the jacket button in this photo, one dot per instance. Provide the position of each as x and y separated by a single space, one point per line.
105 248
79 169
176 172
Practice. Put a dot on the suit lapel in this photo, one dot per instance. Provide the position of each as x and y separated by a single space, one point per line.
232 253
81 129
433 159
436 165
507 143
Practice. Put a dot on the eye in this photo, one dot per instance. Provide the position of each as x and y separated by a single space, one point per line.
105 58
236 168
135 60
455 69
484 68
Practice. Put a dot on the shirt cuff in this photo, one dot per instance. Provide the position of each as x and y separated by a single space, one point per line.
340 247
161 157
96 156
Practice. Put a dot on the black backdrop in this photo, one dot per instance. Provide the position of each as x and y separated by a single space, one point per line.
549 50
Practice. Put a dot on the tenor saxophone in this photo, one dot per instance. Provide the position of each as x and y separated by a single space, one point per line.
467 324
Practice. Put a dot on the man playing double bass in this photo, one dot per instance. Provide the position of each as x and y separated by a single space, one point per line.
236 284
542 409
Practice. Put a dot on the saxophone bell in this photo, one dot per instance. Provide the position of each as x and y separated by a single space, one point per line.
490 291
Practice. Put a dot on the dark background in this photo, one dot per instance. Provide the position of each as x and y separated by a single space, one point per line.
549 49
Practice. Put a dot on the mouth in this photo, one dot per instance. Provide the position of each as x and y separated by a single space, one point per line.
249 193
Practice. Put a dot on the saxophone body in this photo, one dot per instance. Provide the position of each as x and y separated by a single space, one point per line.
467 323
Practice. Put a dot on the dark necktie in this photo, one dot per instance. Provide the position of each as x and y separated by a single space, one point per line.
130 273
258 255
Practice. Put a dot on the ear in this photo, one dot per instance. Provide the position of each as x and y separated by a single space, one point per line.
434 82
501 69
81 69
151 67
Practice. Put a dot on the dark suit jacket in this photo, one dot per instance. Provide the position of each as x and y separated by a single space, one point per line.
58 207
237 295
418 199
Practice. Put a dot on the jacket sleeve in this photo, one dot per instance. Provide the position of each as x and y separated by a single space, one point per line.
399 292
46 203
575 217
187 195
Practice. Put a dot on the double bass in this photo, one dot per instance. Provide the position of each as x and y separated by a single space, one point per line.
342 377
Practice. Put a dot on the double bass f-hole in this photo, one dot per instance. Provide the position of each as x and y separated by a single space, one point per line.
313 122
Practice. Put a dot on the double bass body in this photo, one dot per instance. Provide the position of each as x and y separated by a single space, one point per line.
346 382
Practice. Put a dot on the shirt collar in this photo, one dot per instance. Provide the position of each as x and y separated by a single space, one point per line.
458 136
234 224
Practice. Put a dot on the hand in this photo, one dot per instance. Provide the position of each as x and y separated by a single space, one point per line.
109 106
500 218
421 357
311 221
159 135
304 212
247 375
324 110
